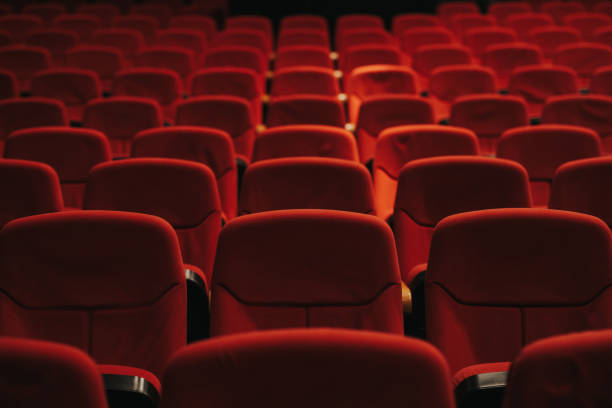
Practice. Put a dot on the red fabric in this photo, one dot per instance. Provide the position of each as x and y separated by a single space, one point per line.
129 312
587 23
523 23
478 39
548 38
304 80
361 55
64 376
20 26
228 113
305 110
403 22
305 140
603 35
297 37
236 56
47 12
564 371
412 38
582 186
104 60
147 25
206 24
82 24
303 55
29 188
542 149
363 36
73 86
477 369
353 21
340 265
56 40
9 87
178 59
306 182
429 57
558 10
190 38
504 58
24 113
5 39
71 152
584 58
243 37
601 83
130 372
259 23
303 22
488 116
461 23
104 11
128 40
336 363
447 10
161 12
383 111
24 61
208 146
503 10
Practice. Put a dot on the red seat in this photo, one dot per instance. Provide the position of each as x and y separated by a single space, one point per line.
353 21
542 149
208 146
339 269
82 24
236 57
503 10
305 140
20 26
105 61
429 57
374 54
431 189
590 111
536 83
120 118
306 182
228 113
162 85
384 111
29 188
399 145
184 193
305 110
587 23
558 10
128 40
523 23
293 359
56 40
488 116
104 307
5 38
24 61
160 11
549 38
582 186
205 24
190 38
584 58
73 86
76 381
525 263
178 59
505 58
446 11
303 22
303 55
363 36
47 12
461 23
243 37
26 113
298 37
147 25
603 35
259 23
105 12
545 371
601 83
478 39
9 86
403 22
304 80
411 39
71 152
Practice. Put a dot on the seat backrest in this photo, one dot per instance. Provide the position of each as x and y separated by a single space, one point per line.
178 59
241 82
72 86
160 84
362 36
446 11
160 11
412 38
339 269
304 80
236 56
353 21
380 79
504 58
306 110
587 23
584 58
523 23
582 186
252 22
303 55
82 24
9 87
21 113
56 40
503 10
449 82
147 25
573 365
305 140
212 147
98 304
243 37
29 188
403 22
306 182
20 26
361 55
190 38
105 60
526 263
558 10
548 38
601 82
297 37
461 23
478 39
47 12
24 60
71 152
303 22
406 369
182 192
104 11
429 57
536 83
205 24
128 40
76 380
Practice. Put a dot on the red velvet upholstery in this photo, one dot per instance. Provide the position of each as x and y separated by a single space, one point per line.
160 11
122 303
539 273
461 23
178 59
478 39
9 87
35 374
536 83
429 57
251 22
523 23
400 144
361 55
47 12
601 83
20 26
370 80
603 35
160 84
504 58
120 118
338 364
243 37
564 371
73 86
584 58
104 11
447 10
208 146
306 110
548 38
147 25
297 37
128 40
503 10
56 40
383 111
587 23
82 24
304 80
236 57
353 21
477 369
206 24
303 22
228 113
558 10
591 111
306 182
105 60
303 55
190 38
582 186
363 36
24 61
488 116
305 140
184 193
542 149
413 38
310 268
28 188
71 152
403 22
430 189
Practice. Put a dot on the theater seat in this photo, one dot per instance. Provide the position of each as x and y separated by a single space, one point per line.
542 149
584 58
106 61
237 57
411 39
504 58
147 25
251 22
304 80
71 152
337 363
20 26
303 22
298 37
56 40
243 37
82 24
305 109
205 24
28 188
128 40
47 12
363 36
178 59
503 10
429 57
303 55
104 11
549 38
339 269
9 87
24 61
369 54
306 182
523 23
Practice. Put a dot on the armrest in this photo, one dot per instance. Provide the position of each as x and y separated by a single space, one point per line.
130 386
414 272
481 385
198 304
414 323
406 299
